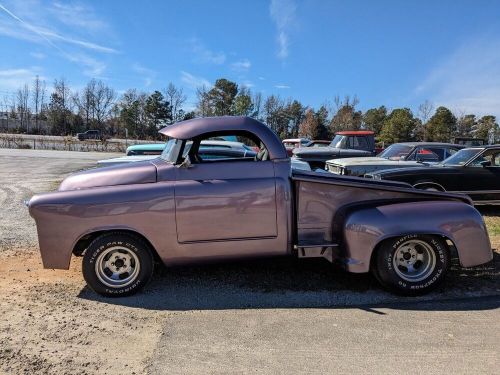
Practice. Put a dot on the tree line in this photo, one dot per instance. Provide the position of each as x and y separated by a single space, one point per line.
98 106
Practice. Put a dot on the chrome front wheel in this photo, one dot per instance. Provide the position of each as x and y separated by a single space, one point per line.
118 264
117 267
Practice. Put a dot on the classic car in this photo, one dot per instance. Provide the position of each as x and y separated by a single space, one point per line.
181 209
345 144
145 149
409 154
472 171
293 143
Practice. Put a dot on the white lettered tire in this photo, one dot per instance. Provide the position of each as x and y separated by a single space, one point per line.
411 265
117 264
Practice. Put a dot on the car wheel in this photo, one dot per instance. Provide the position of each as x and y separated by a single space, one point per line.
411 264
117 264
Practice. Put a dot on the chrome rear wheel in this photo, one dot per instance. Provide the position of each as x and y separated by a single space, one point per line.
414 260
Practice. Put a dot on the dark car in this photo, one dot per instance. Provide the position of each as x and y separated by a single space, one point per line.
472 171
397 155
346 144
89 134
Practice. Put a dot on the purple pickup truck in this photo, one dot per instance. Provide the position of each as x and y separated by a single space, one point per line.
181 208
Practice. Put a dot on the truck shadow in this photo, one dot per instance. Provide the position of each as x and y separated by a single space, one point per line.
289 283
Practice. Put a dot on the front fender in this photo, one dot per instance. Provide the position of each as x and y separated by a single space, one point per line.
461 223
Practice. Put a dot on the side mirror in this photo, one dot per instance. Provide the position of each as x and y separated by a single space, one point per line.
485 163
186 163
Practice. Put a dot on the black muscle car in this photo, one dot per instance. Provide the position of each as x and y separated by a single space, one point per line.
472 171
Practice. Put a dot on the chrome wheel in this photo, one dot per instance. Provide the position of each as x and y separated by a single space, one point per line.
414 260
117 267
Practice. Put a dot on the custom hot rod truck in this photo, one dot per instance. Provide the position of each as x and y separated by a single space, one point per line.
180 208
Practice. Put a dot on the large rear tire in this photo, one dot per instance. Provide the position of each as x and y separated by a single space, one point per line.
117 264
412 264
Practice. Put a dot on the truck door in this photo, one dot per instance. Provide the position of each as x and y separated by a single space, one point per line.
220 198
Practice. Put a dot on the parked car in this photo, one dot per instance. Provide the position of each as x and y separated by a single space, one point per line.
293 143
146 149
410 154
89 135
345 144
472 171
181 208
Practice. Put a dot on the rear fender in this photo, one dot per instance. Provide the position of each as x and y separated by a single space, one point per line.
365 228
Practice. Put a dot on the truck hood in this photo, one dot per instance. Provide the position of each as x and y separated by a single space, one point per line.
361 161
130 173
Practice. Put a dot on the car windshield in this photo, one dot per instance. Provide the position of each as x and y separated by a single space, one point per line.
395 152
337 141
462 156
171 150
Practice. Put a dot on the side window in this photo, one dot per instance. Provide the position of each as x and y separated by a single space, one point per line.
491 156
358 143
362 143
245 147
439 152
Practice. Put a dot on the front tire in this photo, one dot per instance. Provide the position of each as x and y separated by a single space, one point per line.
117 264
411 264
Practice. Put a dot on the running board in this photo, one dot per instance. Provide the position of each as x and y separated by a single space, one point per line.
323 250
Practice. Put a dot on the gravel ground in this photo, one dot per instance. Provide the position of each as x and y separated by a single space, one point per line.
204 319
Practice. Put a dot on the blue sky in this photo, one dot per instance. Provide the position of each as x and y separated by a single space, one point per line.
396 53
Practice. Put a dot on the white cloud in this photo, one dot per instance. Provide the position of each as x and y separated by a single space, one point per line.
147 74
248 84
194 82
38 55
30 21
467 80
262 79
80 15
19 27
283 14
13 79
204 55
282 86
241 66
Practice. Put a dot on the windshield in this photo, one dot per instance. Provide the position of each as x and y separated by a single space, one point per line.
337 141
171 150
395 152
462 156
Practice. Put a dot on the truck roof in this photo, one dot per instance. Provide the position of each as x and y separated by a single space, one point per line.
192 128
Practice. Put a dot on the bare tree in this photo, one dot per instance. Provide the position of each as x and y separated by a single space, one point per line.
23 109
176 99
425 110
203 106
346 116
38 96
103 100
84 101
